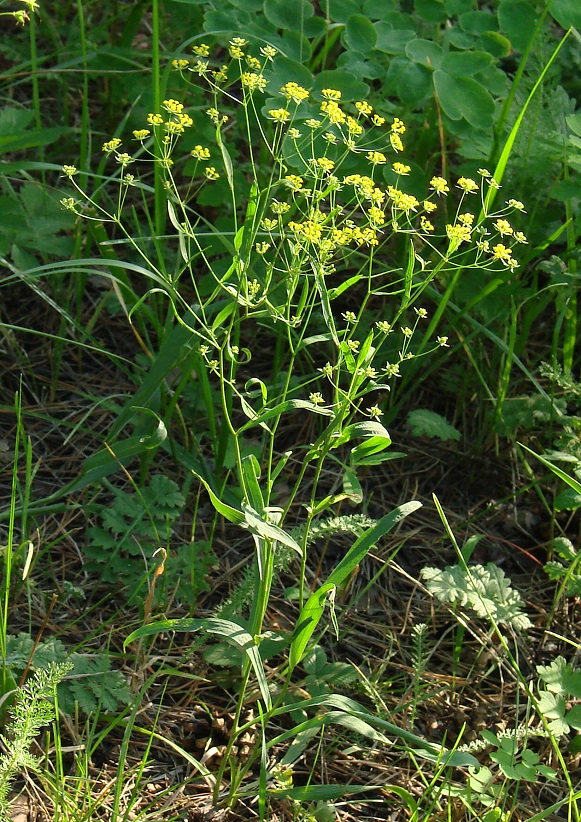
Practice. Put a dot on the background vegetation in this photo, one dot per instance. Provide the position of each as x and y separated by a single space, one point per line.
288 316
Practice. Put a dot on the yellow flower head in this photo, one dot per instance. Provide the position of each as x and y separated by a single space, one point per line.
281 115
252 81
364 108
292 91
439 185
503 227
467 185
111 145
376 157
294 182
201 50
173 106
333 111
401 169
200 153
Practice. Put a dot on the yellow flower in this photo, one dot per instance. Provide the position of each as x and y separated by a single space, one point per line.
363 108
502 253
396 142
460 233
401 169
376 157
200 153
282 208
484 172
466 219
354 127
211 173
331 94
268 224
201 50
425 224
269 52
376 216
429 206
397 127
236 46
404 202
333 111
155 119
111 145
141 133
253 62
516 204
377 120
281 115
503 227
294 182
467 185
69 171
262 248
180 64
325 164
294 92
253 81
173 106
439 185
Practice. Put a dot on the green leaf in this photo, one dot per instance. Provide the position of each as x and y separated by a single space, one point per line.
464 97
425 52
413 84
341 10
257 525
349 86
570 481
232 632
561 678
371 451
284 407
477 22
567 500
284 70
393 41
425 423
360 34
567 13
494 42
447 91
465 63
433 11
313 609
518 20
484 589
285 15
476 103
352 487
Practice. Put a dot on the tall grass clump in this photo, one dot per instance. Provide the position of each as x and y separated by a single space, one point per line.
293 279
